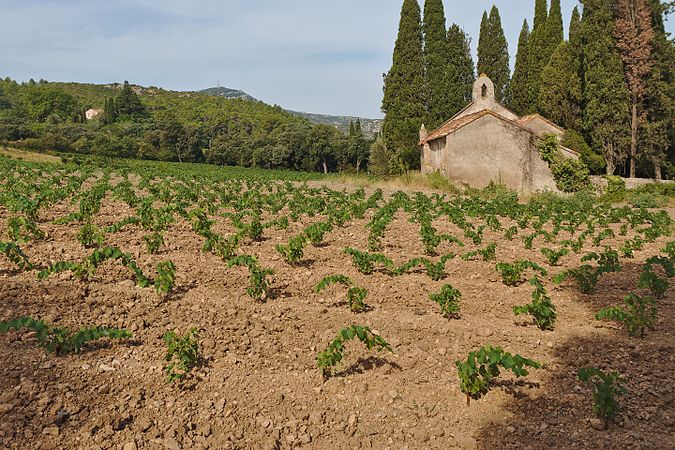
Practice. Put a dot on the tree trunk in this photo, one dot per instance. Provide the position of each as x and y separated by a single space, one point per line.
633 137
325 166
657 169
609 157
358 166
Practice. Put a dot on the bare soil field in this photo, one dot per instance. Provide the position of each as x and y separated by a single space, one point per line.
258 386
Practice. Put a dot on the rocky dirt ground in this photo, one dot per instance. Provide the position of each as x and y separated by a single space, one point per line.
258 386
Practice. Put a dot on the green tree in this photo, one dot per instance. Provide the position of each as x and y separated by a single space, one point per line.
634 38
404 95
560 97
322 150
435 62
128 105
493 53
606 114
554 28
658 133
536 52
357 149
379 157
460 73
519 98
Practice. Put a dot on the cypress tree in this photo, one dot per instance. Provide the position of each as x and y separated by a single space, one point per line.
460 70
519 95
404 95
554 29
536 46
435 61
575 40
658 132
575 28
493 53
606 118
560 96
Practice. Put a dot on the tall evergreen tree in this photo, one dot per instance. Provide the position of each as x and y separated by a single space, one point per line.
537 52
519 98
634 35
554 28
493 53
435 60
128 105
606 99
460 73
404 94
657 137
560 96
575 39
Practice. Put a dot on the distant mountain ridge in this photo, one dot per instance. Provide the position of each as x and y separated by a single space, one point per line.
370 127
227 93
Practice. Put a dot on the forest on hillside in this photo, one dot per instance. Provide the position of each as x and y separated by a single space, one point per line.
155 124
610 83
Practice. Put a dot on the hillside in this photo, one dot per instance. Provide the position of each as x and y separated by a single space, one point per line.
370 127
154 123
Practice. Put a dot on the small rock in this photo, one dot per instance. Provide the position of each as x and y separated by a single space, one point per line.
145 424
511 429
305 439
598 424
352 420
442 351
54 431
209 344
105 368
5 408
171 444
130 446
62 417
220 405
86 367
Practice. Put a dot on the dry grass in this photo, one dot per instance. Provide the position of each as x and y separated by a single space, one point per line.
29 156
413 181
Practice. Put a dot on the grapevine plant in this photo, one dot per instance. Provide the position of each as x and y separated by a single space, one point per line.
182 354
483 365
355 294
448 300
328 360
541 307
607 386
61 340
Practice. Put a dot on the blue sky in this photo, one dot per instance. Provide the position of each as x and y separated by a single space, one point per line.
315 56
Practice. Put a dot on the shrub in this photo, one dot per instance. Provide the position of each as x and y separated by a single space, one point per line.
259 286
153 242
570 175
541 308
90 235
448 300
182 354
294 251
607 386
14 253
328 359
355 294
638 314
483 365
512 274
61 340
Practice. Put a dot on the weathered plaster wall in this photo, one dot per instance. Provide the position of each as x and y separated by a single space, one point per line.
540 127
488 150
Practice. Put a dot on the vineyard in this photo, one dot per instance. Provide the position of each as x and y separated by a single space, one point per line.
153 305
